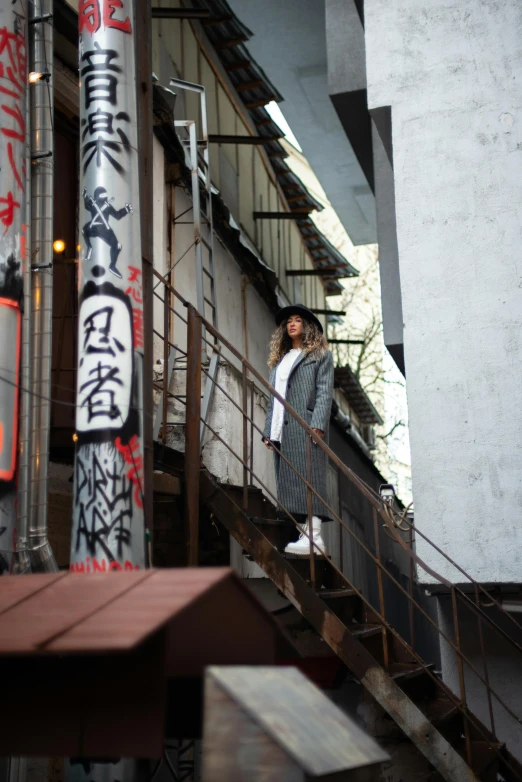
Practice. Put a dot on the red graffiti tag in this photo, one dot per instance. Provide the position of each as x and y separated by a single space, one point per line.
137 327
7 213
92 14
97 566
132 456
13 67
134 291
13 62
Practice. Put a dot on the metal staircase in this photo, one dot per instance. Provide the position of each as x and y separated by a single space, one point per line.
439 722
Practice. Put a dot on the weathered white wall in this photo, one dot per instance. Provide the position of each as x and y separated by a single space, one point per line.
451 73
224 418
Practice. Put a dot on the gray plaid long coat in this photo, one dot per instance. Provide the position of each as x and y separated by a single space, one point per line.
309 392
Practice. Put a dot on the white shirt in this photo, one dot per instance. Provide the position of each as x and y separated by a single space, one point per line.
281 379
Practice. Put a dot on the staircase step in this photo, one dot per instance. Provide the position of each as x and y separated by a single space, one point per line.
440 711
485 760
280 532
364 631
402 672
332 594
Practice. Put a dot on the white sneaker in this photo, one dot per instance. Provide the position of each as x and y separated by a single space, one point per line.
302 546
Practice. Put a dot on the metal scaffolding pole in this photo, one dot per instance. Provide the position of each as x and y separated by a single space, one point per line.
13 85
108 506
42 181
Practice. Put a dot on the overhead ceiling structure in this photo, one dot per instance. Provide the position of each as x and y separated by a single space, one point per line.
288 41
346 380
228 35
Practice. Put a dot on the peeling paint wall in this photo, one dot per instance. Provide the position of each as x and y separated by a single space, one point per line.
451 73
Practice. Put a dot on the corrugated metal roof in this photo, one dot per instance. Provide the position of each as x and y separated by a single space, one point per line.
228 36
347 382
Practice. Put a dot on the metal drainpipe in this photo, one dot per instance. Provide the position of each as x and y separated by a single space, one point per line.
13 149
42 155
24 438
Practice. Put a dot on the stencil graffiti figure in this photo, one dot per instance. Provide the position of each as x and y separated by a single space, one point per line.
98 227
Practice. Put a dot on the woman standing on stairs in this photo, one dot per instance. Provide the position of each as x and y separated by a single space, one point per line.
301 371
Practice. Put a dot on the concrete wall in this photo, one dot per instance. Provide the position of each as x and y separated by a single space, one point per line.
451 74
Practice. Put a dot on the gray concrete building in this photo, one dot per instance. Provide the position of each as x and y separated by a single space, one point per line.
442 82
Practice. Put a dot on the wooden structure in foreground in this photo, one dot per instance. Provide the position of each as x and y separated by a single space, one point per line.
272 724
103 664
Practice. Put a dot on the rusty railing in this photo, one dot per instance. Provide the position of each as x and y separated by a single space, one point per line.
393 522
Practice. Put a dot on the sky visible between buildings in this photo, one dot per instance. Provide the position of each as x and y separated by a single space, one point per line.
361 299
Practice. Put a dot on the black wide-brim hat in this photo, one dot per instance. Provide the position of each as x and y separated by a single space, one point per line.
298 309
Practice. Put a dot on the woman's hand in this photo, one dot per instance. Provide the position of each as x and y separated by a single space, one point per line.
268 444
319 433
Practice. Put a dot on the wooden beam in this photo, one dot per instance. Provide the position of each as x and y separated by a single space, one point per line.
267 121
249 85
219 20
341 313
317 272
292 187
282 153
180 13
221 139
236 66
345 341
256 104
304 209
295 198
280 215
231 43
309 239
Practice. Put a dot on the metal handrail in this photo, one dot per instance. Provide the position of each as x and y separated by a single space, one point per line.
368 492
381 508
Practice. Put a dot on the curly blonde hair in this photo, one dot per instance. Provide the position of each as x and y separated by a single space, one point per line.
280 344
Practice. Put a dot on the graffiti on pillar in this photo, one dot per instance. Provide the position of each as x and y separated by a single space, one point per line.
106 361
108 524
13 97
99 225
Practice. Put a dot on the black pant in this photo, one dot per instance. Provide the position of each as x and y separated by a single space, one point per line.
107 235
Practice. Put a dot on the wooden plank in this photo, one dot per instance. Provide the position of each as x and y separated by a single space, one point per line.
15 589
236 748
132 616
306 724
30 625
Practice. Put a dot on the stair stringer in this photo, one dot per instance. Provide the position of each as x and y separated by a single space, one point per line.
415 725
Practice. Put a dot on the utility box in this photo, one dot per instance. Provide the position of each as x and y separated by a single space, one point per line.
266 724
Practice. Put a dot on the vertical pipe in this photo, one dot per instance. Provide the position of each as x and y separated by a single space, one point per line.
380 587
24 438
310 509
13 252
460 667
143 50
166 378
244 406
340 514
192 432
42 183
252 433
244 284
484 662
410 590
108 503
